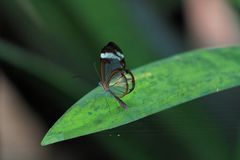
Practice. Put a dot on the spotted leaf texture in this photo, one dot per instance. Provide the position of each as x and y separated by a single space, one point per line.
159 85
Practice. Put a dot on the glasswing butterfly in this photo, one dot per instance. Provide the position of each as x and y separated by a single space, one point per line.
115 78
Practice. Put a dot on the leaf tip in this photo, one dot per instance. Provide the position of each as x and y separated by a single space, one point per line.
51 138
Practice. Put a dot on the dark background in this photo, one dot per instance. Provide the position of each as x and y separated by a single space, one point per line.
44 44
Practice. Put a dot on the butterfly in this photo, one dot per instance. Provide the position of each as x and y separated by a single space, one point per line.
115 78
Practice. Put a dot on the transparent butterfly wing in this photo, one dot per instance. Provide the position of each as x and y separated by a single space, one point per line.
118 84
115 78
130 80
107 67
121 82
112 59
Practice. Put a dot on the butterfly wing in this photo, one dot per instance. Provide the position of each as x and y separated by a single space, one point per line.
118 83
115 78
130 80
121 82
111 59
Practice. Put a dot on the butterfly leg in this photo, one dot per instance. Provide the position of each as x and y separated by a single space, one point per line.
123 104
105 97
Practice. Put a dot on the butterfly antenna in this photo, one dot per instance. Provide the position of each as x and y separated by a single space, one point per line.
77 76
84 79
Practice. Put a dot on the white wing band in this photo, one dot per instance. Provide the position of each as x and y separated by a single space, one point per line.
109 55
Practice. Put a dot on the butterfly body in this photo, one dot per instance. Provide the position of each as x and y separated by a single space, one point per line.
115 78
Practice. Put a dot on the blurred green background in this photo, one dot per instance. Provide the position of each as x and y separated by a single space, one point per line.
45 44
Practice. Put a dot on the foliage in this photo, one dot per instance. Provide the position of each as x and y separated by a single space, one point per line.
160 85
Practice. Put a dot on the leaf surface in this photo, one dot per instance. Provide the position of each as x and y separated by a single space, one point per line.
160 85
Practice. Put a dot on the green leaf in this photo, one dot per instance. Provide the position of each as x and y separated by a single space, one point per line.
159 85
